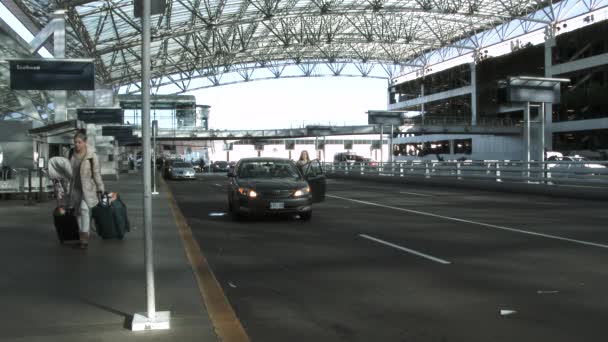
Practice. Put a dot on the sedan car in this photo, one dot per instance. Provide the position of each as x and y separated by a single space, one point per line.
181 170
260 186
219 166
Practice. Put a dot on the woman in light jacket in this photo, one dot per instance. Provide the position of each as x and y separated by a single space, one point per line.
86 185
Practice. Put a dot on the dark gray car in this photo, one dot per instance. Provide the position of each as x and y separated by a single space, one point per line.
260 186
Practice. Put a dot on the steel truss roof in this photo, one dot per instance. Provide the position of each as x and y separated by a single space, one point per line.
196 42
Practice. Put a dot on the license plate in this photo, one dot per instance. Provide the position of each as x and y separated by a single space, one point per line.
277 205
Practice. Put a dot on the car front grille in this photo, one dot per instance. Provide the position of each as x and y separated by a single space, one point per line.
276 193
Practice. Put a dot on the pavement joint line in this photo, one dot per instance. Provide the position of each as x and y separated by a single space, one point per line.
415 193
430 257
227 325
582 242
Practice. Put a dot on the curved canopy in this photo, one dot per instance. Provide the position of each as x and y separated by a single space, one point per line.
205 39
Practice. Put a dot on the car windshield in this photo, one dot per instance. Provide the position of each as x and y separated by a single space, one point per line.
181 165
268 169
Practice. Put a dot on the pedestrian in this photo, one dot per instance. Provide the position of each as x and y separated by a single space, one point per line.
86 185
303 161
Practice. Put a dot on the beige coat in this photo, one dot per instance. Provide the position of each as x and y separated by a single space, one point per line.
91 179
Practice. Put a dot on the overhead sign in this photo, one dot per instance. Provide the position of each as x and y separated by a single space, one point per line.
101 115
376 145
384 118
228 146
320 145
117 131
52 74
259 146
348 145
290 145
531 89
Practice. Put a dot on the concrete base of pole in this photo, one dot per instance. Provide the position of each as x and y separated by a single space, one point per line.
155 193
161 322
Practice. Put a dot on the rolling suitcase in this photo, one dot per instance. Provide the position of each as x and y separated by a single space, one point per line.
65 225
110 216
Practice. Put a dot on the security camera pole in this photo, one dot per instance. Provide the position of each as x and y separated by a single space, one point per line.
151 319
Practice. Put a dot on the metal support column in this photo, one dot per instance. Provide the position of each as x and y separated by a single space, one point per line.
153 319
473 94
61 96
154 134
390 146
381 144
541 138
526 138
548 110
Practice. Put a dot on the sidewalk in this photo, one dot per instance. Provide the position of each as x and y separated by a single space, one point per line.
51 292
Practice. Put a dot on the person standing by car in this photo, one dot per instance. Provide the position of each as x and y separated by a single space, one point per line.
303 161
86 184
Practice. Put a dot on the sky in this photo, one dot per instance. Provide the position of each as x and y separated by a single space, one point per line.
293 102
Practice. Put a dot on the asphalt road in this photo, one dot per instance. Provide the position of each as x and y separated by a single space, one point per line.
381 262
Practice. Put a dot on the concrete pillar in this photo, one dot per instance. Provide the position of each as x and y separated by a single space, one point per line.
473 94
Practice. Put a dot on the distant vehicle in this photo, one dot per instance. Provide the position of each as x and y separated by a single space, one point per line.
181 170
353 159
167 165
573 164
219 166
260 186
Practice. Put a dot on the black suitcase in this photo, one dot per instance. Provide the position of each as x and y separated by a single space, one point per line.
66 226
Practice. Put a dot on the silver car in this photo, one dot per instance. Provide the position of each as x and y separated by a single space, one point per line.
181 170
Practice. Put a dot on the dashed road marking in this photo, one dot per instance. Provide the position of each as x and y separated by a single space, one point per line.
441 261
582 242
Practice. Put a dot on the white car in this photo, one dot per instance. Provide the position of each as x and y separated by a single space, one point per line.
565 165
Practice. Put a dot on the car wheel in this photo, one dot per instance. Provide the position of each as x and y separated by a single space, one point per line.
306 216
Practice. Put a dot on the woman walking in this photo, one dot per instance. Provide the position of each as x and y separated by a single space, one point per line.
86 185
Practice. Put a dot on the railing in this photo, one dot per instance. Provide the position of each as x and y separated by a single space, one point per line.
590 173
25 180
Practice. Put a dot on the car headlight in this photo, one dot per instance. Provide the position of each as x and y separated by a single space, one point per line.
301 192
248 192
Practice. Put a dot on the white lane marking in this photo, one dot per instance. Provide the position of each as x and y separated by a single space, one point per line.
217 214
441 261
415 193
218 185
582 242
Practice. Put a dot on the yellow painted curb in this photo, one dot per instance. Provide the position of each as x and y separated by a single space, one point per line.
224 320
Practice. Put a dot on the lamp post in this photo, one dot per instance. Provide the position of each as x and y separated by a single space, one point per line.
151 319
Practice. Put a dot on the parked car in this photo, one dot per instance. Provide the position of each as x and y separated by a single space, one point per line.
260 186
219 166
180 170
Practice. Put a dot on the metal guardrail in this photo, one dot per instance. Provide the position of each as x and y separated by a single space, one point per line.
25 181
588 173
